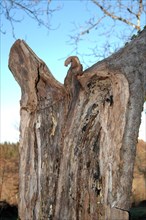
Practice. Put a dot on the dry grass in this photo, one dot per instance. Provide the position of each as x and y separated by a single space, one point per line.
9 163
139 181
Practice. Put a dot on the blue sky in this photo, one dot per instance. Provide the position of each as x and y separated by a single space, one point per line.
51 46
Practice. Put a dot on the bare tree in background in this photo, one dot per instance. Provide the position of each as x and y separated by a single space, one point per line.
122 19
128 14
16 10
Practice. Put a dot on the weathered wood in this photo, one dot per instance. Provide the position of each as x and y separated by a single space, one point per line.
77 143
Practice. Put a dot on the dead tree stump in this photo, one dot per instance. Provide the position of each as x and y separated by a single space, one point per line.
77 141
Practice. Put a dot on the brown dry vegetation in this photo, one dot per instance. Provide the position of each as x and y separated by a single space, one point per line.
139 181
9 160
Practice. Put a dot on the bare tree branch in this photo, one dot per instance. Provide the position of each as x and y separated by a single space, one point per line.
91 27
35 9
139 13
115 17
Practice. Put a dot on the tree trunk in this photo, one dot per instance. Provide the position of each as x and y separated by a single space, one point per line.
77 140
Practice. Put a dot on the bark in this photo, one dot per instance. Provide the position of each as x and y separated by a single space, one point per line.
77 141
